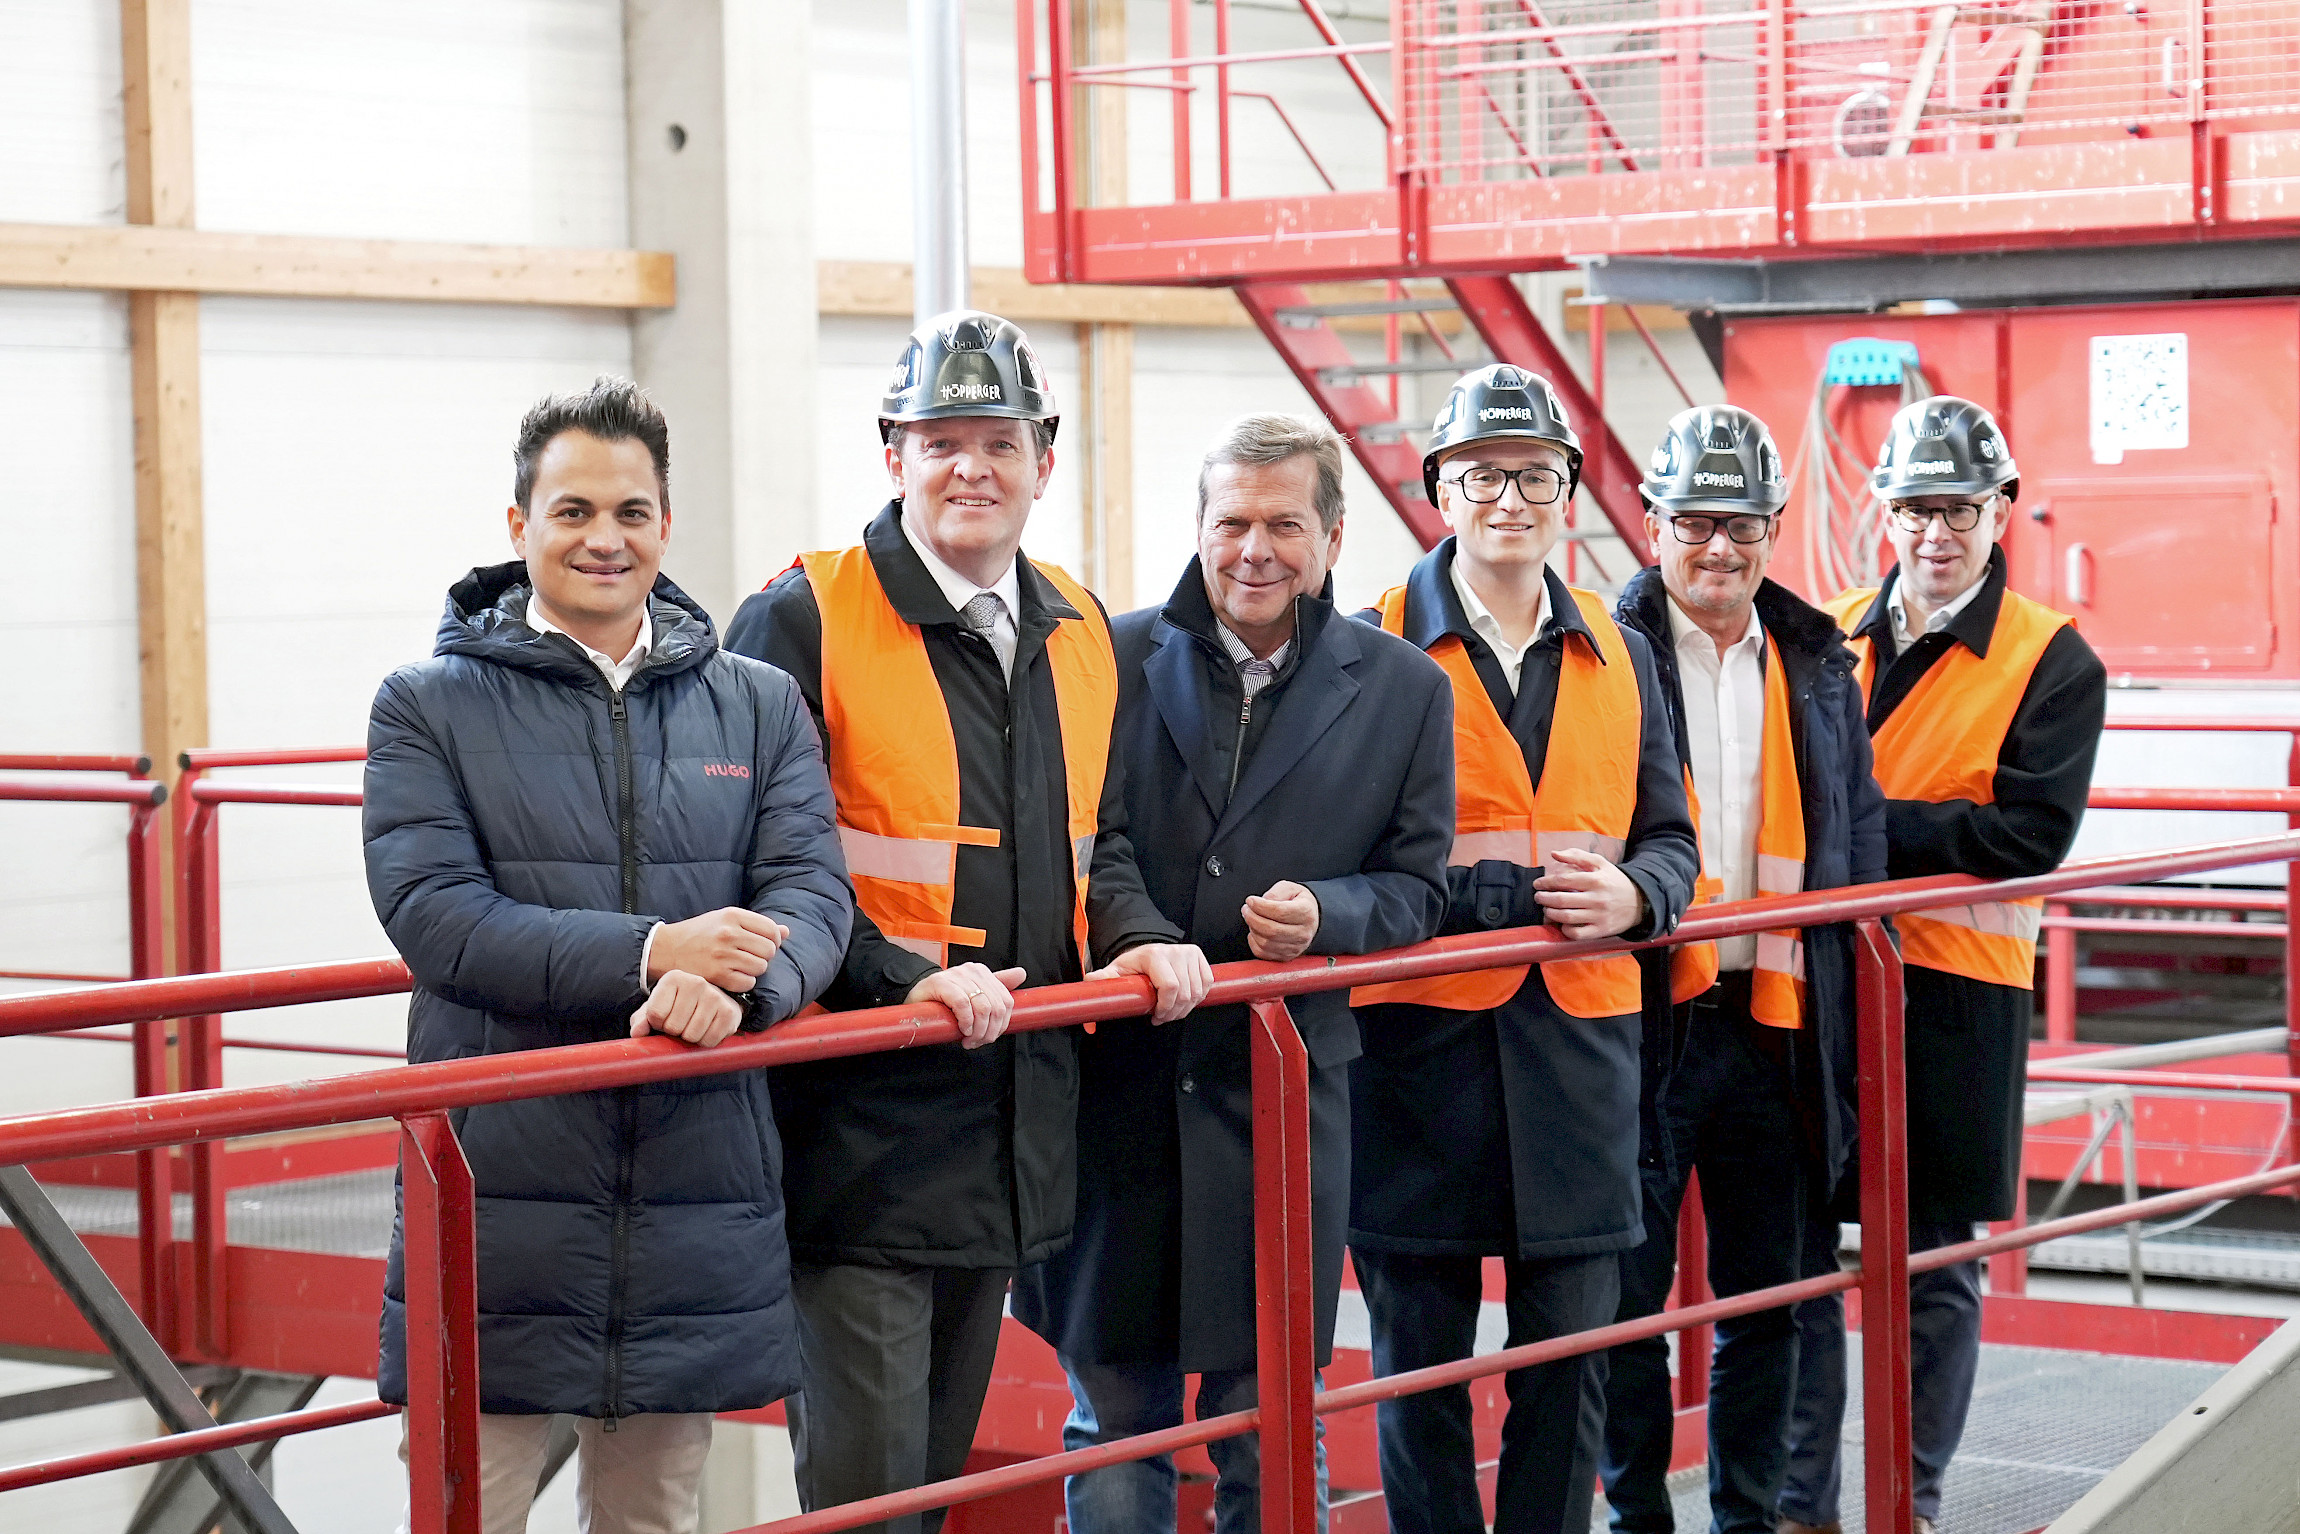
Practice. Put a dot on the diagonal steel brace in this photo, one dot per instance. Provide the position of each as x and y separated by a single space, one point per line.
140 1357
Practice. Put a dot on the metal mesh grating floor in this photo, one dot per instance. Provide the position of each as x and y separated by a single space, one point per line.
344 1216
2045 1425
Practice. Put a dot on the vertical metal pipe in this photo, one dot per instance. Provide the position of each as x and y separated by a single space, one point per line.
938 157
1695 1344
1284 1291
2292 959
2059 979
1884 1235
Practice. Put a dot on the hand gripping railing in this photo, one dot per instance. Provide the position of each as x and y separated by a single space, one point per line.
439 1244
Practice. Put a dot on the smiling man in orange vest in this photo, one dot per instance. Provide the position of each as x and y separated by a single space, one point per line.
1985 709
1750 1066
965 697
1496 1114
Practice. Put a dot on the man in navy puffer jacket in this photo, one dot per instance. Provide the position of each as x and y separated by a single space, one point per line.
584 821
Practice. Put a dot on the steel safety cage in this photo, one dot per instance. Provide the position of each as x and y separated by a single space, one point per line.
441 1282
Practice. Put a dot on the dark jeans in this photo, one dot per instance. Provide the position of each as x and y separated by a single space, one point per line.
1113 1401
1944 1357
1729 1112
894 1363
1424 1311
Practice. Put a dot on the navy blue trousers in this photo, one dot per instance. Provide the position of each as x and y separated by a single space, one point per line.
1424 1311
1944 1358
1729 1111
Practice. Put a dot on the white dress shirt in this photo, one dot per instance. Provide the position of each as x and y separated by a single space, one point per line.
1253 674
1488 628
959 591
617 672
1941 618
618 675
1725 731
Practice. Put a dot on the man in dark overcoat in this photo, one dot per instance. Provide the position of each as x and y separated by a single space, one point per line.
1289 791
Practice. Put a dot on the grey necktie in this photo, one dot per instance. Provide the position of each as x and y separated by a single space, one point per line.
980 614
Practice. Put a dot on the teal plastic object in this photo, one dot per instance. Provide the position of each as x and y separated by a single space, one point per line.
1866 361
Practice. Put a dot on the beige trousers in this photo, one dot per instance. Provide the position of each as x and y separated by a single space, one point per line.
643 1478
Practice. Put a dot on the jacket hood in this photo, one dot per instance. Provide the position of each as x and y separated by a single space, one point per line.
1790 619
486 617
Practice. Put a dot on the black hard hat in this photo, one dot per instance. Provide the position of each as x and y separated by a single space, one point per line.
966 363
1944 446
1495 402
1716 458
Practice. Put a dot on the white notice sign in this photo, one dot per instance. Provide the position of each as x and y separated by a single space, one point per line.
2139 394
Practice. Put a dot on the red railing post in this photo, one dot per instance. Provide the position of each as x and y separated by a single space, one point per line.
1884 1237
1695 1343
2292 958
2059 976
1222 92
200 1064
1283 1304
147 960
1178 42
442 1315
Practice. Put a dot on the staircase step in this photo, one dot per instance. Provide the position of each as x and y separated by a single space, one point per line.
1308 316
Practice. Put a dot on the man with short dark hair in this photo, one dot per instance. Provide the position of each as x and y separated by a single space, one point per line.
586 821
964 694
1289 790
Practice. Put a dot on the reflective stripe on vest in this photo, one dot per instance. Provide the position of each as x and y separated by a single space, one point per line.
894 760
1693 966
1941 743
1777 988
1587 798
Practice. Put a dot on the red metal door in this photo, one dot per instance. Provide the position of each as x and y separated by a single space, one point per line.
2157 443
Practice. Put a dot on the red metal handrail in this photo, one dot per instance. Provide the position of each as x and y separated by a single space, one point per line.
442 1355
19 761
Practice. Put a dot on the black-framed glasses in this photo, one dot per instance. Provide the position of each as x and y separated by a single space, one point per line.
1538 487
1741 527
1961 517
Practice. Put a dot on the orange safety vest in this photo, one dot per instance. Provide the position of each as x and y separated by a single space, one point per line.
1587 798
1777 987
894 760
1693 966
1941 744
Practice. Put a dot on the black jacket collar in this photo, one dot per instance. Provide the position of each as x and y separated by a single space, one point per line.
1190 611
911 590
1793 623
486 616
1974 626
1434 610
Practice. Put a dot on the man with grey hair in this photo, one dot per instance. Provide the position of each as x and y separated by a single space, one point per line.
1289 791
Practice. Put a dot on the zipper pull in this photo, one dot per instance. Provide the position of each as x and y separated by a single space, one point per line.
615 704
607 1423
1245 713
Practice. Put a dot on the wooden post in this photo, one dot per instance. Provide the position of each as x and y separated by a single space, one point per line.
1106 351
1106 449
164 347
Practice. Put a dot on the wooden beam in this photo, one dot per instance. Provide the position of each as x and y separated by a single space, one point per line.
140 258
882 288
164 391
1106 379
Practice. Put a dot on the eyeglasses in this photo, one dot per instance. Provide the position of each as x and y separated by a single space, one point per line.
1742 527
1963 517
1539 487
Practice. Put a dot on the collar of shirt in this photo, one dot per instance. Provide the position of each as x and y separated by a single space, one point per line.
1253 673
959 591
617 672
1942 617
1488 628
1688 635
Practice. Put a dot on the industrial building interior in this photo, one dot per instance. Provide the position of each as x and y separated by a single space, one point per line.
277 280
